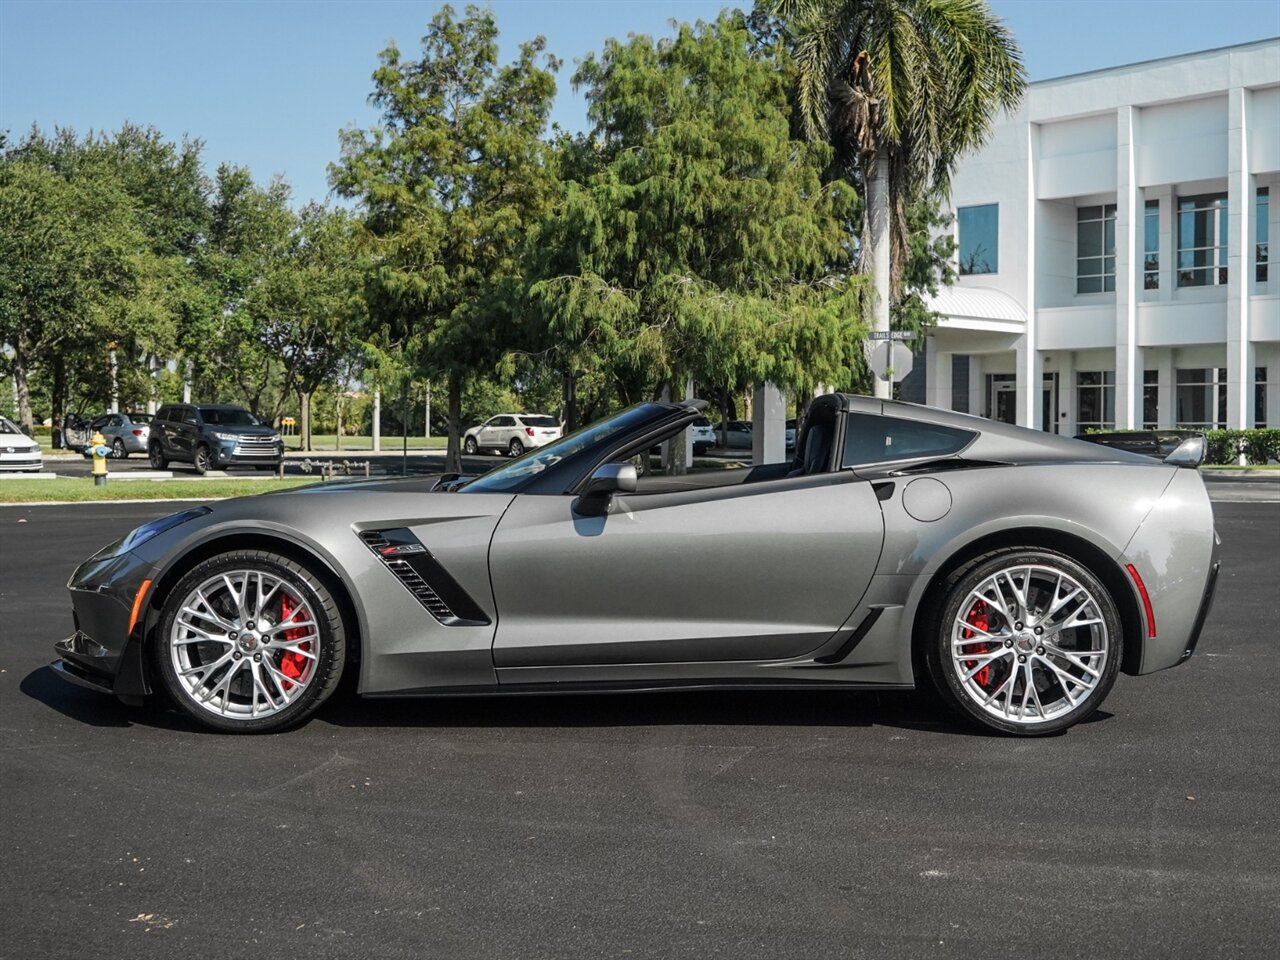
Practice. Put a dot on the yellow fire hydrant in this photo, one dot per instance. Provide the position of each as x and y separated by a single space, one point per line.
98 447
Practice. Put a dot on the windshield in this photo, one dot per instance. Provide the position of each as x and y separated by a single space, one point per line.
228 417
8 426
538 459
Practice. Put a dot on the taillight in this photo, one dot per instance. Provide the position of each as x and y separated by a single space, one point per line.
137 433
529 431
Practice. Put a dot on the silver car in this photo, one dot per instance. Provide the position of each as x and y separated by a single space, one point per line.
1013 573
512 433
125 433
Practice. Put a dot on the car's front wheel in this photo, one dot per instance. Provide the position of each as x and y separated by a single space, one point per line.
200 461
250 642
156 455
1025 641
470 446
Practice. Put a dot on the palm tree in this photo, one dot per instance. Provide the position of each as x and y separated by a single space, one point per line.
901 89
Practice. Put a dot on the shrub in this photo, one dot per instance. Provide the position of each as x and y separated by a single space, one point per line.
1258 446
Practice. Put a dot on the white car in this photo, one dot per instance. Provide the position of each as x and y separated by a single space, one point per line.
702 434
17 450
512 433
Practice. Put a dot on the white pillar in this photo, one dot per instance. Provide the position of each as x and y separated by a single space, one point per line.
878 217
768 425
688 434
1129 216
1029 368
153 369
1030 381
377 419
937 375
1240 243
186 381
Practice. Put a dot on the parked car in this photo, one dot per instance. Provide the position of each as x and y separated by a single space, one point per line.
736 433
125 433
1014 573
17 450
704 437
1151 443
212 436
512 433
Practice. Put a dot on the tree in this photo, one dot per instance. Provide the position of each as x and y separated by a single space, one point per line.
696 237
901 89
69 250
449 182
307 305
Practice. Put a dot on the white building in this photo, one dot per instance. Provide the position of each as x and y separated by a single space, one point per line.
1113 245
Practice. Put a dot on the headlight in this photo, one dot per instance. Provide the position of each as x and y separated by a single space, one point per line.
275 438
233 437
142 534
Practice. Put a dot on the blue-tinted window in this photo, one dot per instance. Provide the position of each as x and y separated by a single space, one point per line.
979 238
1202 240
1151 246
1262 250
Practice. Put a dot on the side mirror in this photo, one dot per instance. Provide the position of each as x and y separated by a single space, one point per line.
1189 453
610 479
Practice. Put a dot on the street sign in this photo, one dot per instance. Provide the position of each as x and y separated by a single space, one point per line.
891 361
891 335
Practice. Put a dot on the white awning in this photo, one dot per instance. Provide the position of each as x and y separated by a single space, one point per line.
977 308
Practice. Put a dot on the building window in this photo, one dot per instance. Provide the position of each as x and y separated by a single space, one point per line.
1151 246
1202 240
1095 400
1263 233
1202 398
1260 397
979 238
1096 249
1150 399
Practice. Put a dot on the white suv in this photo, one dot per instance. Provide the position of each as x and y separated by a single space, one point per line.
512 433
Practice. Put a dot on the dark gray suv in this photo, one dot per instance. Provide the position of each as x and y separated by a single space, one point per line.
212 436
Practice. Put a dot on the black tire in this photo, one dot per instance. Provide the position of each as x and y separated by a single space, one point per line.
155 453
200 459
962 693
515 447
470 447
331 641
117 449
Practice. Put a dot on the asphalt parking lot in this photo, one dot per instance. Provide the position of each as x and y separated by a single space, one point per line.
674 825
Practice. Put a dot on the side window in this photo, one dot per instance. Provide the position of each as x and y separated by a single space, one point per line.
116 421
504 422
871 439
189 415
99 423
164 413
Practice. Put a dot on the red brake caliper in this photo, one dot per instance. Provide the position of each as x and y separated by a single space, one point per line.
291 663
978 617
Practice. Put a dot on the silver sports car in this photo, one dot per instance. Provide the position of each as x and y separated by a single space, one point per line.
1014 572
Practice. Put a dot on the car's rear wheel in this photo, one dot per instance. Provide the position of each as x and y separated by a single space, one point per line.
1026 641
515 448
250 642
201 460
118 450
471 447
156 455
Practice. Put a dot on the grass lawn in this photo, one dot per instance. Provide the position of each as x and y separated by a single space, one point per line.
82 489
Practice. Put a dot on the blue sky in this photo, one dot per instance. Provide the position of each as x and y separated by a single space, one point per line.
269 84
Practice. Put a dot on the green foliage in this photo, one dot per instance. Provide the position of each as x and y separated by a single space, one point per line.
1258 446
695 236
450 182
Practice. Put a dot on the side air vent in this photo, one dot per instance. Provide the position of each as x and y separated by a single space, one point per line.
423 576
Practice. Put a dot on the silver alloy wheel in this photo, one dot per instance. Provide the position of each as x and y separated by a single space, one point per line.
470 446
1029 644
118 450
516 448
244 644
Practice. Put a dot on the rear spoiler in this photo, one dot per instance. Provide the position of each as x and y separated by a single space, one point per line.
1189 453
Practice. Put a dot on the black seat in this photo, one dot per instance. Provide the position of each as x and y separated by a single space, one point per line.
817 450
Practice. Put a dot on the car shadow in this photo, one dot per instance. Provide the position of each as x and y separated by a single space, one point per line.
905 709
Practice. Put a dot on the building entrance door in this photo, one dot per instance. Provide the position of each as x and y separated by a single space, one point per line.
1049 405
1002 397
